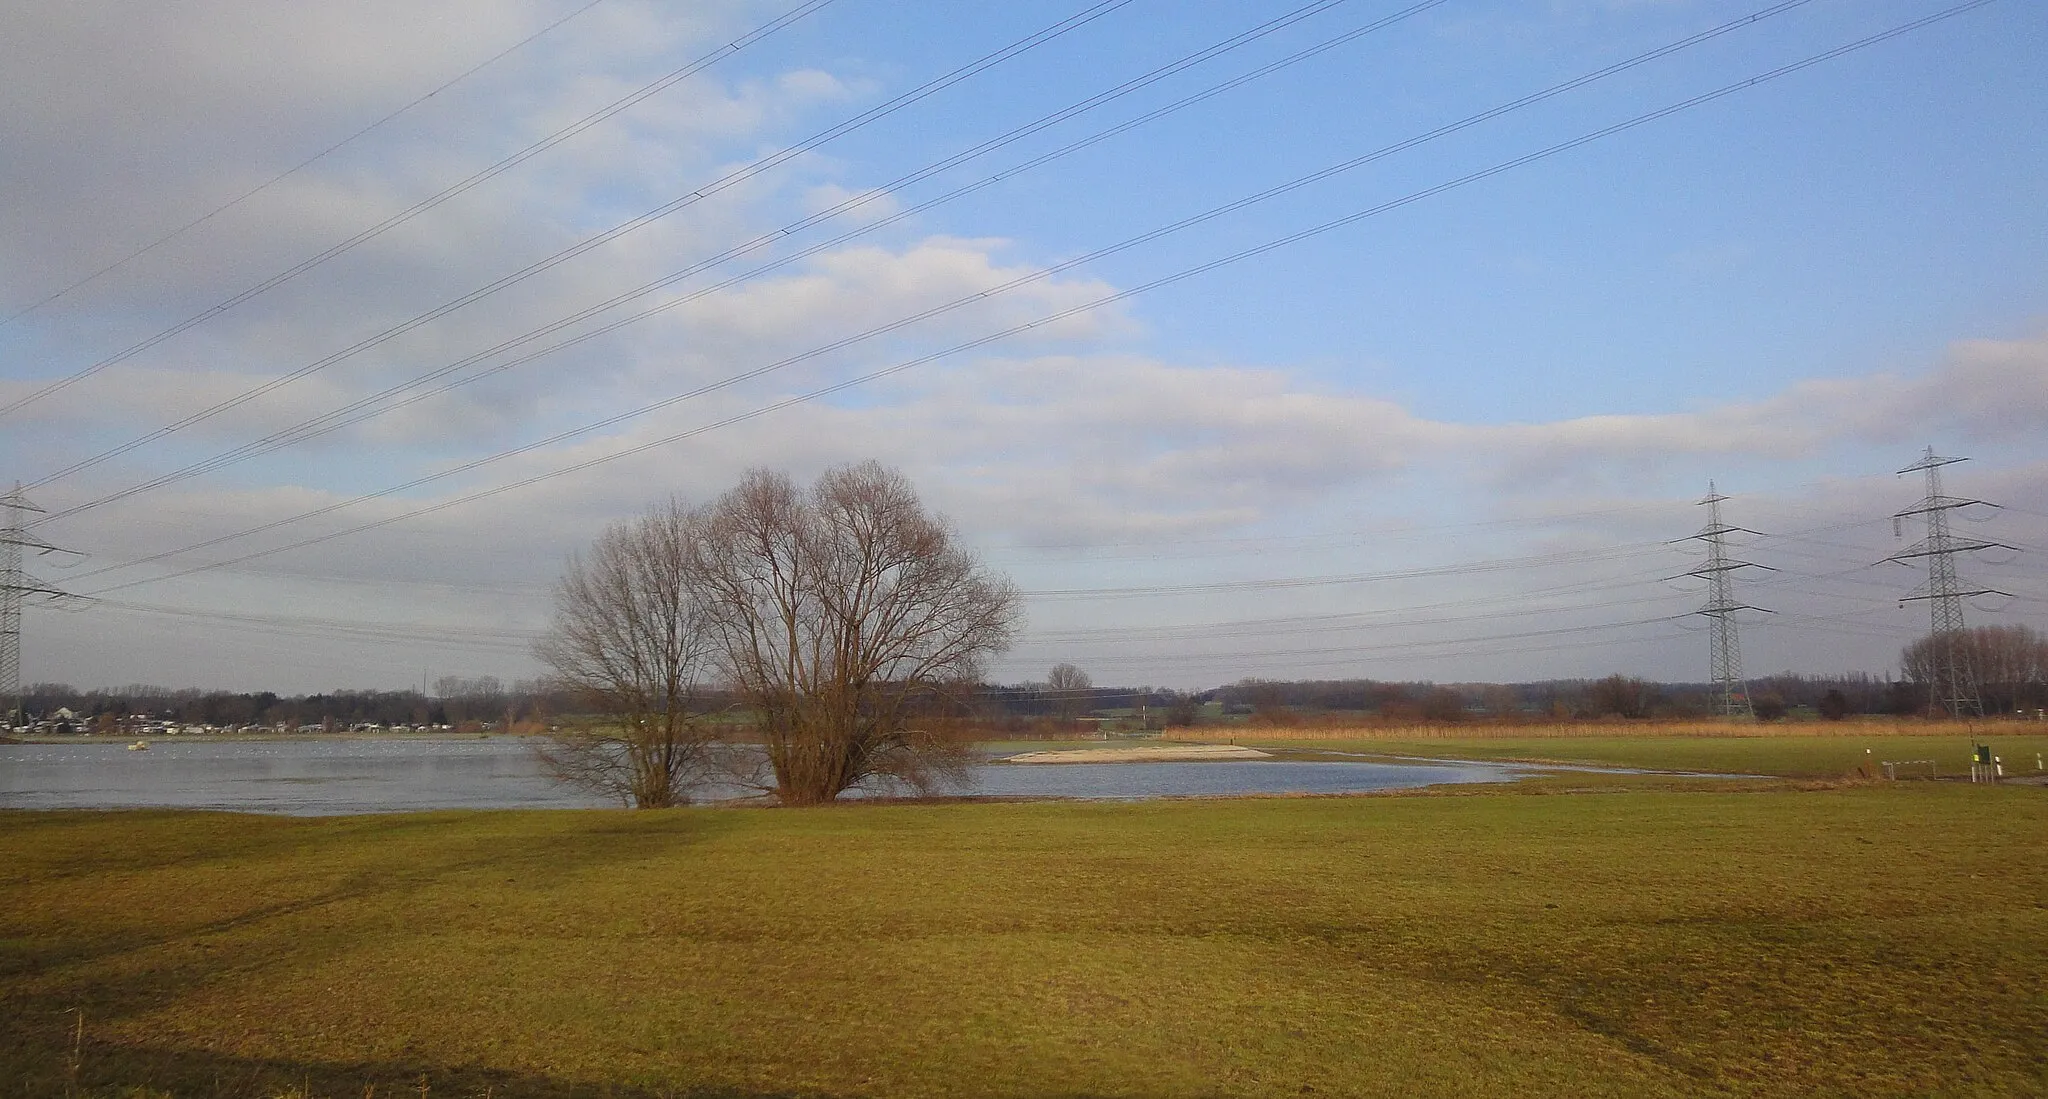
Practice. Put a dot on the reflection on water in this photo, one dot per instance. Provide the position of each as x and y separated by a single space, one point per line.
315 777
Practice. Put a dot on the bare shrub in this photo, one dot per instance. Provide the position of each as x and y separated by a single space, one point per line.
1069 687
629 640
851 625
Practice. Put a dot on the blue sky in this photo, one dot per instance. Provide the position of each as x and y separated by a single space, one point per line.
1448 442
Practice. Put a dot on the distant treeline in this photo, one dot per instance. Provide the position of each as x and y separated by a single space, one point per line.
1576 699
2012 665
456 701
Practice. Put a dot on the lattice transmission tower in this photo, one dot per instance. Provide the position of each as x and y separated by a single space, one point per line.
16 587
1952 679
1731 692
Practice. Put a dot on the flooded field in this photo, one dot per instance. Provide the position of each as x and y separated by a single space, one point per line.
329 776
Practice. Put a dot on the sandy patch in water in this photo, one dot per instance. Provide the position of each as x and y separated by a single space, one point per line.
1149 753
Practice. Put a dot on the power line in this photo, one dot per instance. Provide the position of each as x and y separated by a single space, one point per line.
1347 656
1184 274
730 179
1255 543
286 174
1411 645
426 204
1279 583
369 407
1154 234
1124 635
303 625
1349 619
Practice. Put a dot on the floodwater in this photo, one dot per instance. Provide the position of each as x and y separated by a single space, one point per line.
331 776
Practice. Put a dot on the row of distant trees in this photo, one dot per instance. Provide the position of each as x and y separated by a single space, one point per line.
455 701
2010 664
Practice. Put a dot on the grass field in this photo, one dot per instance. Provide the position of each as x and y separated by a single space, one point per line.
1813 750
1859 940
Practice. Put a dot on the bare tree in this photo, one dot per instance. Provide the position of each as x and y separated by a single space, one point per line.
465 700
1069 687
2009 664
848 620
629 639
1621 695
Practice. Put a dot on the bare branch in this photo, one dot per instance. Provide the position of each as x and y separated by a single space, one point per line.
630 640
850 623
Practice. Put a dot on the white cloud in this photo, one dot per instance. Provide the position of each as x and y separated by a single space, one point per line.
1065 449
1983 391
121 121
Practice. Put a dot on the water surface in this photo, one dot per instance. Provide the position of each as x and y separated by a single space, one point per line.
328 776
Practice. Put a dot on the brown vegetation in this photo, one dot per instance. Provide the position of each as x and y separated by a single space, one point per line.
1353 727
850 625
629 640
2008 663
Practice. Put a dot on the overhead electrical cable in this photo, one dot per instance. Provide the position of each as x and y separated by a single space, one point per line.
1347 619
299 434
1132 634
900 367
1279 583
1411 644
355 412
313 621
1317 623
372 406
1350 655
730 179
1087 15
436 636
288 173
1394 532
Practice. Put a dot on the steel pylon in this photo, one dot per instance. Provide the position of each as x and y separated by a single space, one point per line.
16 586
1731 691
1952 679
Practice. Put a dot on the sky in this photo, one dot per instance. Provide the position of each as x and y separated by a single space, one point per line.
1360 338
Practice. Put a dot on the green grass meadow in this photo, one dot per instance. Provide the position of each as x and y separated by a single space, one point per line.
1834 755
1869 939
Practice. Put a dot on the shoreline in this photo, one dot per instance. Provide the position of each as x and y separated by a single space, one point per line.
1148 753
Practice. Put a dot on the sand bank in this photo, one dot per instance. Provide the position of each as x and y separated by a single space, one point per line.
1148 753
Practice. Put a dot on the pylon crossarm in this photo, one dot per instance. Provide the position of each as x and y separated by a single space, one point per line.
1712 532
1958 594
1725 567
1931 461
28 541
1921 550
1943 503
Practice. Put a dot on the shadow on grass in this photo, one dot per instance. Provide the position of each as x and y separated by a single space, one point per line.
50 1067
145 956
104 1071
